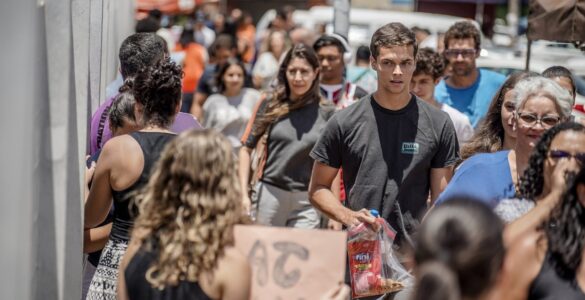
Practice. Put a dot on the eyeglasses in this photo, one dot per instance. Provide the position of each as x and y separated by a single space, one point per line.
546 121
465 53
560 154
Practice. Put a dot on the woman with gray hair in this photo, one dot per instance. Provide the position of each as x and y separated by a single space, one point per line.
490 177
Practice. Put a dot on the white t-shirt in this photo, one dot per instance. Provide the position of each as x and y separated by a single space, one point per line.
230 115
266 67
463 127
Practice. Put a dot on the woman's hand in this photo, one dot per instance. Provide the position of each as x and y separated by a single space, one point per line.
339 292
559 176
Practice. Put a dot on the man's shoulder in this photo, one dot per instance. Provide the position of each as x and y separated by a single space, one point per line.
491 76
359 106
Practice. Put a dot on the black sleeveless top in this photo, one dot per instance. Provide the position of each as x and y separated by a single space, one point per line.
152 144
140 289
548 285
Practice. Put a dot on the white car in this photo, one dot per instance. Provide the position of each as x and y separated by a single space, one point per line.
363 22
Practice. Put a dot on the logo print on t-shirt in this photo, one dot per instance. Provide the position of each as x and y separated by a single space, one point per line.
409 148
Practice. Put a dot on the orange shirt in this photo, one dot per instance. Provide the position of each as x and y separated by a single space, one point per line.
247 34
193 65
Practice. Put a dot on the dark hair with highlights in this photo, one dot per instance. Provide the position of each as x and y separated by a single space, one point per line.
489 137
565 229
281 104
459 251
390 35
532 181
158 89
140 50
429 62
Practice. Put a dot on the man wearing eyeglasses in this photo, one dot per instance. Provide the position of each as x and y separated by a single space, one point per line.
334 54
468 89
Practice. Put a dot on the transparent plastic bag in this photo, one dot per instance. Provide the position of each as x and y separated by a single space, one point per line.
374 269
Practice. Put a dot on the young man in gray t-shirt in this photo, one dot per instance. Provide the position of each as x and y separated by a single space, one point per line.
394 148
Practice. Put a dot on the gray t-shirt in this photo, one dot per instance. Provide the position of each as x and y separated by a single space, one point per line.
230 115
387 155
291 138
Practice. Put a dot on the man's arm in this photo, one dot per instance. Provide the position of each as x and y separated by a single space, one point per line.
440 177
324 200
197 105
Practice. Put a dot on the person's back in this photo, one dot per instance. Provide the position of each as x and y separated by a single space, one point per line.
142 289
124 167
193 201
150 145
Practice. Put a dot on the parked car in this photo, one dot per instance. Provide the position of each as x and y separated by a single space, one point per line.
363 22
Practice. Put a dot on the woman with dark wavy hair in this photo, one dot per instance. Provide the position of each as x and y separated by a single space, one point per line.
495 132
125 163
559 151
292 120
548 263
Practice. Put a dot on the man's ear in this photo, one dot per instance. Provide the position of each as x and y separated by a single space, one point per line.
373 63
438 80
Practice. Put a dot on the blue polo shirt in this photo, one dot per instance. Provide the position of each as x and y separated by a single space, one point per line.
485 177
474 100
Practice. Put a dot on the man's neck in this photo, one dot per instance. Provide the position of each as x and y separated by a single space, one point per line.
332 81
392 101
463 81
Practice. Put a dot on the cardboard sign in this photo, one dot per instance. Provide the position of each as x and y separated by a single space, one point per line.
290 263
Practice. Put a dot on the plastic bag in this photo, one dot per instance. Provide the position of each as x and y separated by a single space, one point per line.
374 269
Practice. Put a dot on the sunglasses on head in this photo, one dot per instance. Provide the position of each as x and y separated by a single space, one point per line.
560 154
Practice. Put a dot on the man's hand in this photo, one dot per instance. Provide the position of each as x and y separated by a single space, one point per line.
362 216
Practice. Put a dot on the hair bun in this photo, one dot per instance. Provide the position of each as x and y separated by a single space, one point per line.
127 86
158 88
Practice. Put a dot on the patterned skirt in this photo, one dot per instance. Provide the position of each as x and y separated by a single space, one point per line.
105 280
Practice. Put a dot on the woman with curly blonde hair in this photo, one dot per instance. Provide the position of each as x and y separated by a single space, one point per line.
181 247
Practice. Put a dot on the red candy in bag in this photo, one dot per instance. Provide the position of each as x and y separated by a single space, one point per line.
373 268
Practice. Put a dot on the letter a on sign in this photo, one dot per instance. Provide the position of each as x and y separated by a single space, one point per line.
290 263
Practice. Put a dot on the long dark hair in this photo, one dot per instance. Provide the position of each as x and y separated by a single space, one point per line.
489 137
459 251
281 104
223 69
532 181
565 229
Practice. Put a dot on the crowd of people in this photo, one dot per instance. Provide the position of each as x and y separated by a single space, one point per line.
481 176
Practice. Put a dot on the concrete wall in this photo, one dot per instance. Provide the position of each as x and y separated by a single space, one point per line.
56 58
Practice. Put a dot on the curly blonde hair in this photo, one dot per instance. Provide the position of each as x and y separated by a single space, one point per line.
189 207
